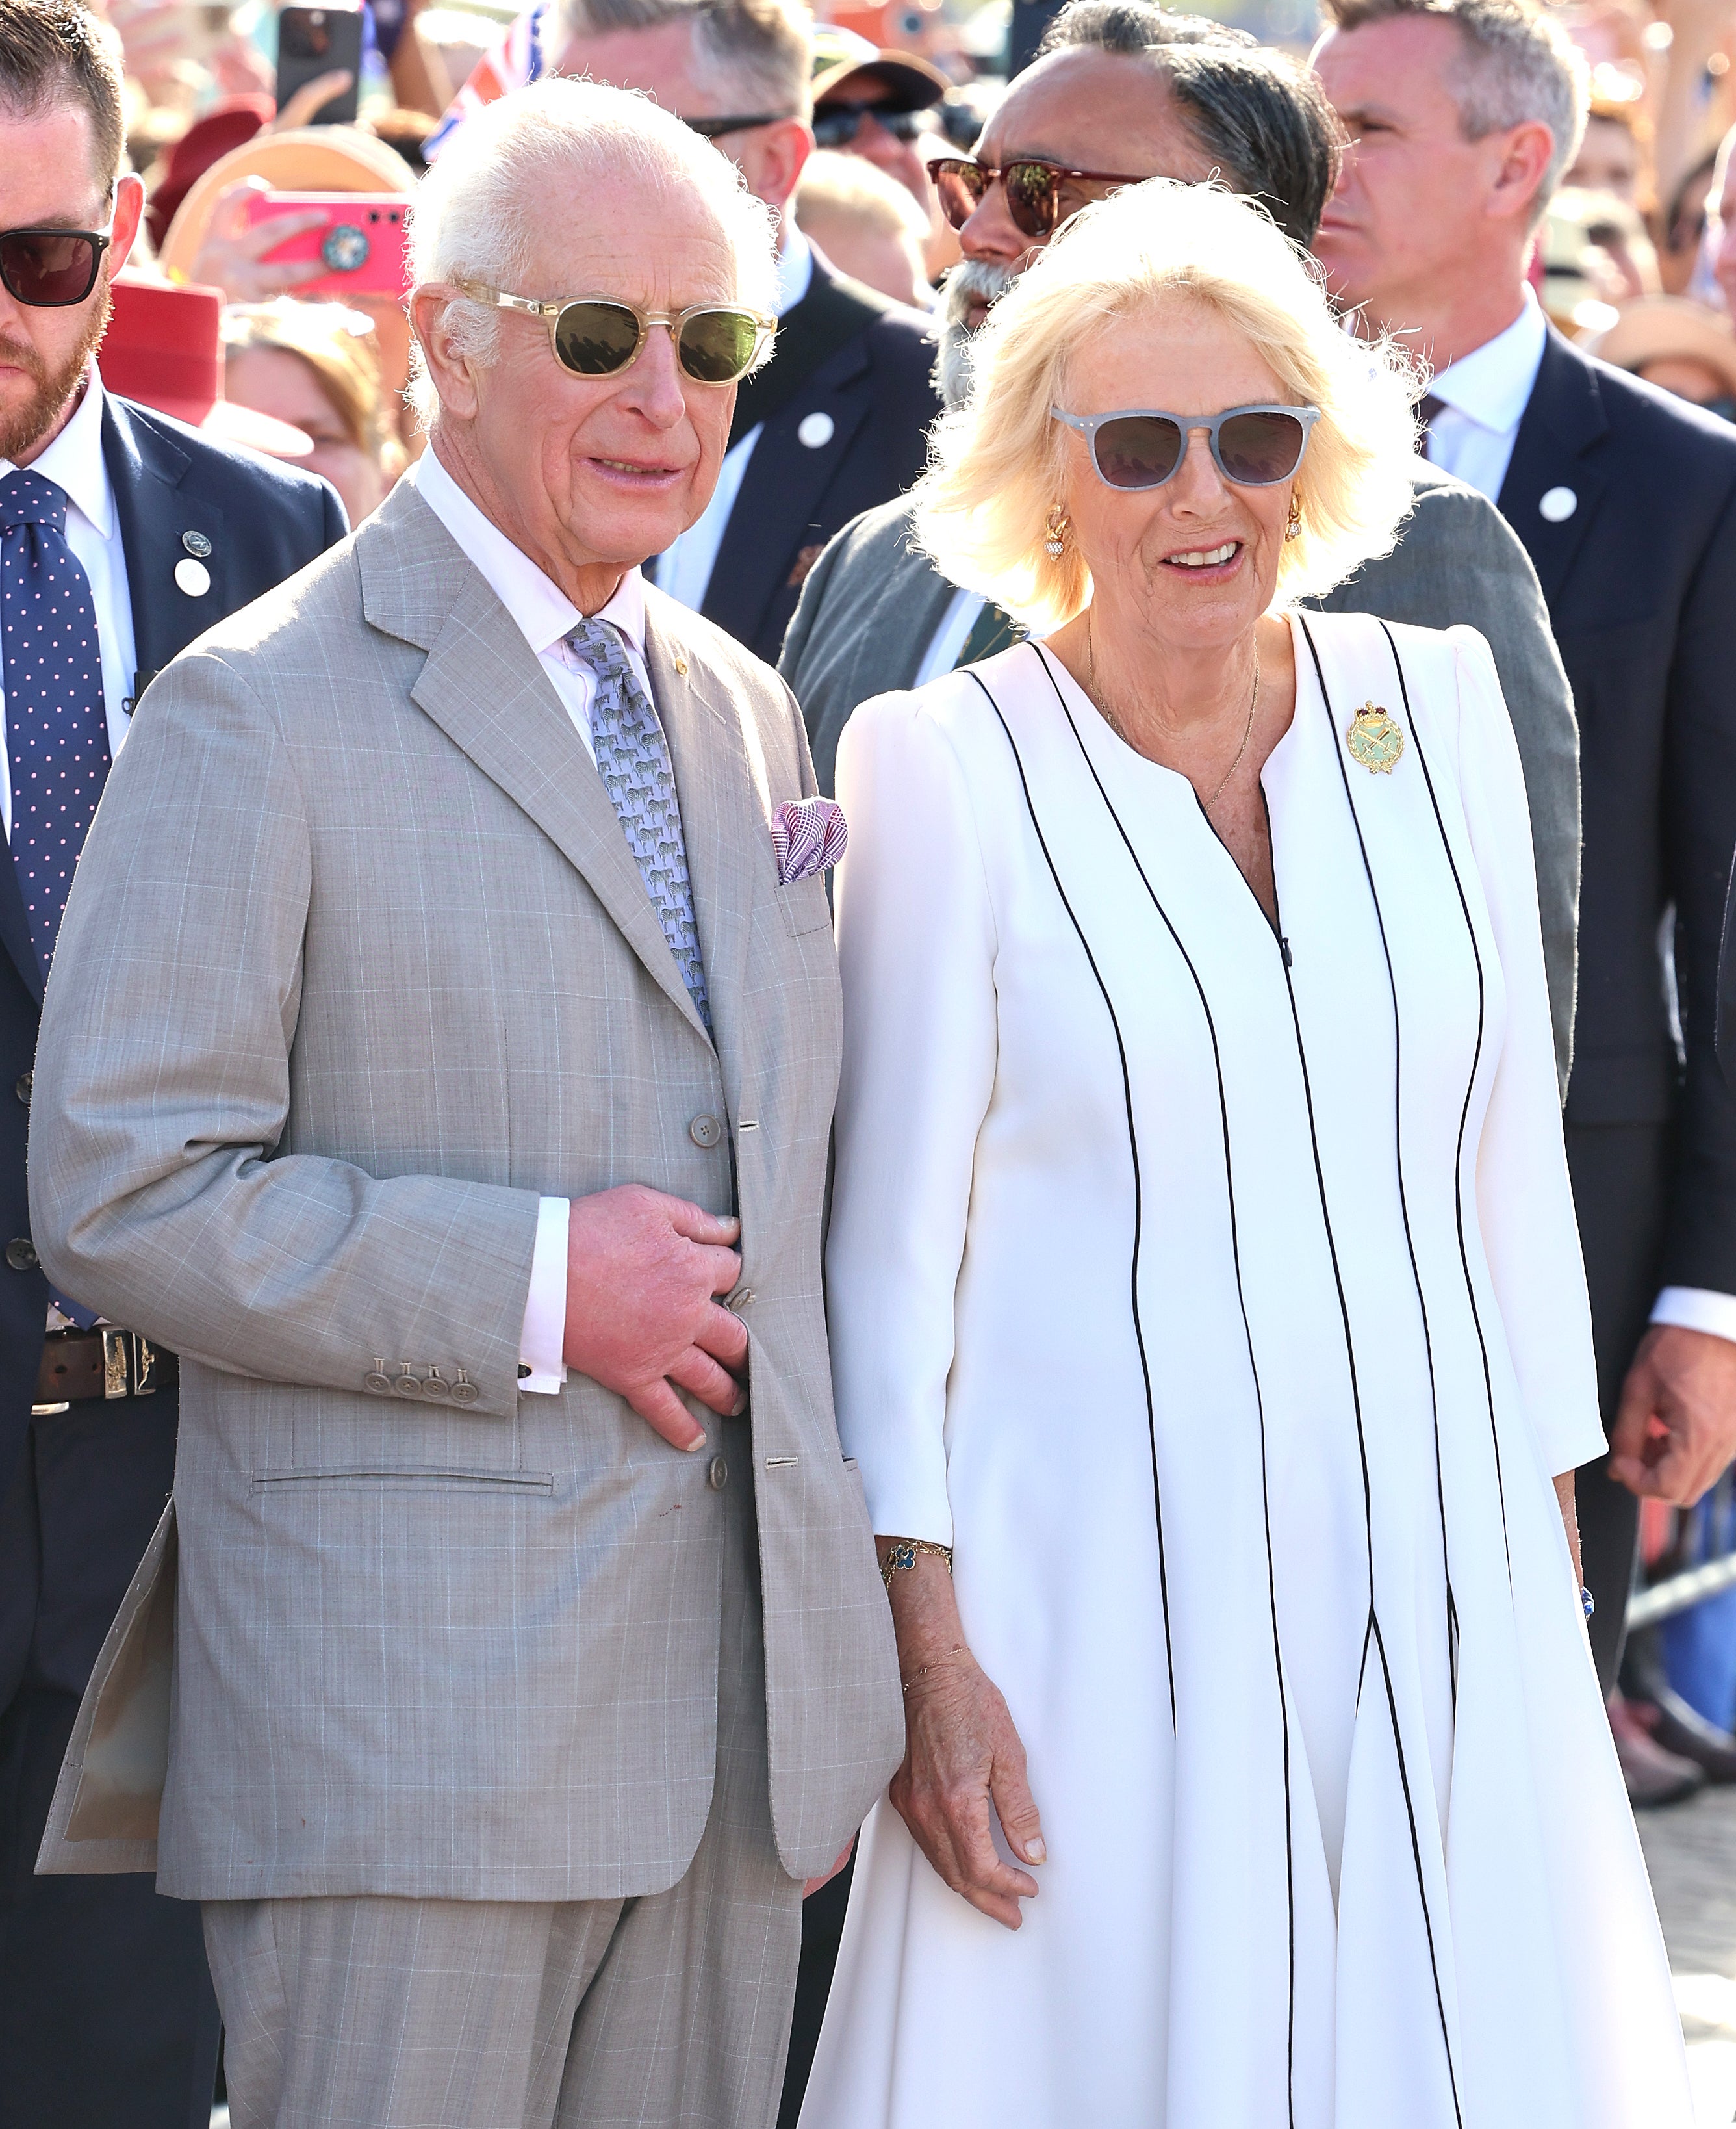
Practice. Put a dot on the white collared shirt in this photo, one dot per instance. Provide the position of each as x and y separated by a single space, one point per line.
542 613
684 569
1484 396
540 610
74 462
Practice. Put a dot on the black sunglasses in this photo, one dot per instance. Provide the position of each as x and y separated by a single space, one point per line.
1140 448
836 125
714 129
1033 189
596 337
48 269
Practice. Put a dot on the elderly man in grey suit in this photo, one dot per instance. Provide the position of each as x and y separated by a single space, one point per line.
1125 90
444 1018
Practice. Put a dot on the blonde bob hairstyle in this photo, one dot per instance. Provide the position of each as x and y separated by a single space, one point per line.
997 463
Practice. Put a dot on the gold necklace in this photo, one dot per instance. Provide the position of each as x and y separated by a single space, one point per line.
1113 722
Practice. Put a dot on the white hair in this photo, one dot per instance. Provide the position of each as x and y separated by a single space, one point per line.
760 51
476 212
998 464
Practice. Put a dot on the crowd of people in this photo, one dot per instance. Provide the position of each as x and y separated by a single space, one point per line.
871 971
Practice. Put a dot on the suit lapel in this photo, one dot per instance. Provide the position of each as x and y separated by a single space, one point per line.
486 691
1562 423
145 469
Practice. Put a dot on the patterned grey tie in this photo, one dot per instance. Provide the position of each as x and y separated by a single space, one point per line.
633 759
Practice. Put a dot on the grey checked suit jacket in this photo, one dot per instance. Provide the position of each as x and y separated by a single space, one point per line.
356 967
871 605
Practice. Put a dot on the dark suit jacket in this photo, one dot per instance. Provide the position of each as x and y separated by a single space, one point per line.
866 366
1640 577
263 523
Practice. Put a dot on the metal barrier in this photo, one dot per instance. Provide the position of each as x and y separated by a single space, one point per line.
1708 1531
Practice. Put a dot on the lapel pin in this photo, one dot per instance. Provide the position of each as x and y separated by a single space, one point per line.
680 665
1375 739
193 577
197 546
1557 504
816 431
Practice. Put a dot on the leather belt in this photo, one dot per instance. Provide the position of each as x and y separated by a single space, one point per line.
78 1365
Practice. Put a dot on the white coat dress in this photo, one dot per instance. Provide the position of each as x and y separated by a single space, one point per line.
1215 1291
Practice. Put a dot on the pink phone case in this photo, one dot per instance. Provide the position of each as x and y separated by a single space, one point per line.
361 241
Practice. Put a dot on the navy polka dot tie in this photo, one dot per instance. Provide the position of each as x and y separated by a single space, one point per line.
56 731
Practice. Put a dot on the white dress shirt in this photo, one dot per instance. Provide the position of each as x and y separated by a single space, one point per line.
950 637
542 613
1484 396
74 463
684 570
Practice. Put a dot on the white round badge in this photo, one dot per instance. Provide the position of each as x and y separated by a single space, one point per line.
193 577
816 429
1557 504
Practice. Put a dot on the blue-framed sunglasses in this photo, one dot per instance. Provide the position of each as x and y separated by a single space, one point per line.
1139 447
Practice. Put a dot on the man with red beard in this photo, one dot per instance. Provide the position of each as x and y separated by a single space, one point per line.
123 535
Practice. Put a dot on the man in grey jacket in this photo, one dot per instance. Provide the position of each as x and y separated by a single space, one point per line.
1123 87
439 1058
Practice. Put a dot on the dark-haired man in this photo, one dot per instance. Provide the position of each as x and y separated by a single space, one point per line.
122 536
1463 115
1124 91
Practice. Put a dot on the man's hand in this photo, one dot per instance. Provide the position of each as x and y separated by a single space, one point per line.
642 1272
812 1885
1675 1429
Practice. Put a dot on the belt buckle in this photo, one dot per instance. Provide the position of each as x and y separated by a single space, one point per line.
114 1363
145 1365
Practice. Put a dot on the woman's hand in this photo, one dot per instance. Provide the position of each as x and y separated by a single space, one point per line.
232 256
962 1753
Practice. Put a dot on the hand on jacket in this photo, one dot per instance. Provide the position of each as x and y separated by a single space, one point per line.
643 1271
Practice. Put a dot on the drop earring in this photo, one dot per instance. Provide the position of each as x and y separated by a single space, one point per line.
1054 540
1293 523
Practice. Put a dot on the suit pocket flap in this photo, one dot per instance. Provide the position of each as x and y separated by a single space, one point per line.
806 905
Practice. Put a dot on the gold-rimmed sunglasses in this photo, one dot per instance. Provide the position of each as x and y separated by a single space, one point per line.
600 336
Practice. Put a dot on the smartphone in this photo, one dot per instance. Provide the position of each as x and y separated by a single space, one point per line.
360 242
316 41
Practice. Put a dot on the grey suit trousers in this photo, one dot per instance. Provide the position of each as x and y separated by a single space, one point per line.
670 2011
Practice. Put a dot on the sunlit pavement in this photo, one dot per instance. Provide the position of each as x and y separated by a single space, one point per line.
1691 1851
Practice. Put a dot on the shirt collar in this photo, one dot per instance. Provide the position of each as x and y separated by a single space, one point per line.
541 610
73 461
1491 385
795 270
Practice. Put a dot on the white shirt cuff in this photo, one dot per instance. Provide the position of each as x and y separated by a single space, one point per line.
544 1333
1694 1308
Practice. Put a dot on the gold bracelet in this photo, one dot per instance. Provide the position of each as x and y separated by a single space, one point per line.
902 1556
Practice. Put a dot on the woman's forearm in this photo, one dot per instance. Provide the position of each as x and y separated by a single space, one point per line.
1570 1520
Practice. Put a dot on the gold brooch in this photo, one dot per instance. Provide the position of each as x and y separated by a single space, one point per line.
1375 739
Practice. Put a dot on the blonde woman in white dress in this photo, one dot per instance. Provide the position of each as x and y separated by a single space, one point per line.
1204 1279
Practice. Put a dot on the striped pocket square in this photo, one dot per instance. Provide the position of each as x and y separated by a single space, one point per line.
808 836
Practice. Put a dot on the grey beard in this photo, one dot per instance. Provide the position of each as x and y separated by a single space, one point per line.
972 280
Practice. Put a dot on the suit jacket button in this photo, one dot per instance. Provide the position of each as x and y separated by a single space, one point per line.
23 1087
379 1384
21 1253
718 1476
704 1131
